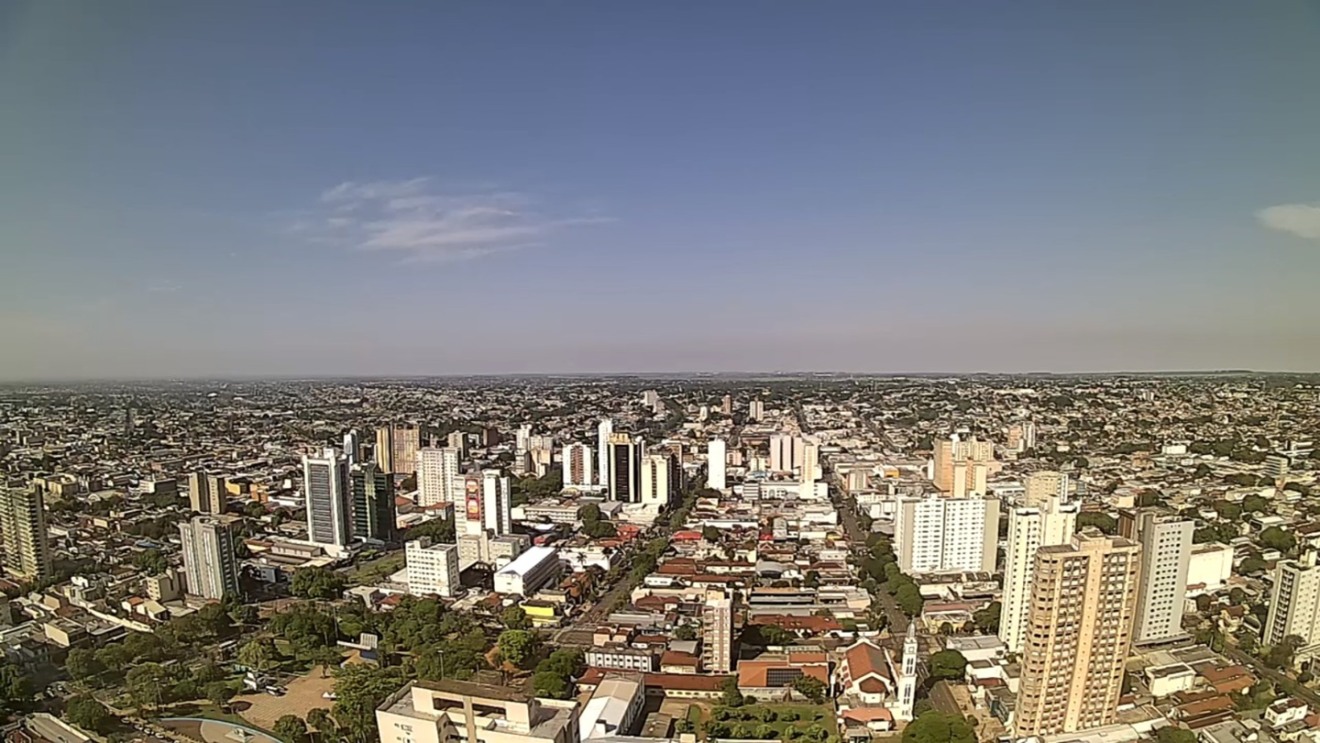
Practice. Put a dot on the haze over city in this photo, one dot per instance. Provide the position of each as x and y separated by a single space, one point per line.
348 189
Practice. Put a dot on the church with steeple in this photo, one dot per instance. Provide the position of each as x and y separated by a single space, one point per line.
876 687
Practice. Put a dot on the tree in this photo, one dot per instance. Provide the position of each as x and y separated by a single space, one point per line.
987 619
812 579
947 664
219 693
146 684
316 583
710 534
82 664
85 712
936 727
1171 734
589 514
1252 564
1100 520
243 613
258 655
1276 538
517 646
1281 656
360 690
550 685
320 720
810 687
1227 510
150 561
685 632
516 618
908 597
1255 504
732 695
291 729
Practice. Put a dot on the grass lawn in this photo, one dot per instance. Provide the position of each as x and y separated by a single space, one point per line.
377 570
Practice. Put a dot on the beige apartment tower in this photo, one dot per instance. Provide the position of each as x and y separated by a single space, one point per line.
717 633
206 493
1079 632
23 533
960 467
1295 604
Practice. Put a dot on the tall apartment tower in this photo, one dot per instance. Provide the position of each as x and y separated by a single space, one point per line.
373 503
717 633
486 506
1049 522
1079 632
457 440
603 433
1166 551
437 475
954 453
1295 601
326 494
210 566
810 466
656 487
1042 486
786 452
352 447
577 463
937 534
715 461
625 471
755 410
203 495
23 533
397 445
726 405
432 568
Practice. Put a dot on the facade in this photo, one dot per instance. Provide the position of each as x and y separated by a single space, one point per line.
603 433
373 503
210 566
1166 550
625 458
437 475
23 533
577 463
614 707
326 492
533 569
623 658
810 467
717 633
954 452
755 410
203 496
656 488
1295 603
457 440
1209 568
449 711
786 452
715 462
1040 487
432 568
1051 522
938 534
396 447
1079 633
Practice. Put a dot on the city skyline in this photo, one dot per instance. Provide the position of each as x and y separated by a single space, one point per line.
262 191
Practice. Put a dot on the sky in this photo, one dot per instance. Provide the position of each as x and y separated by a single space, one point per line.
331 188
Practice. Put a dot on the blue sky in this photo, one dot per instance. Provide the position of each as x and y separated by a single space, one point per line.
310 188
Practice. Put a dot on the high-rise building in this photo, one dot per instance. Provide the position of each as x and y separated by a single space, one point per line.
326 493
1166 551
374 517
953 452
1079 633
1050 522
786 452
432 568
484 514
457 440
755 410
210 565
715 460
577 463
1295 602
938 534
726 405
397 445
352 447
810 466
1276 467
603 433
656 488
1040 487
969 478
437 475
625 482
23 533
717 632
203 495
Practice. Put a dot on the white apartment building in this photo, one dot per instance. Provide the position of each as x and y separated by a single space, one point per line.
1295 604
438 476
717 633
1039 487
603 433
533 569
656 488
810 465
1166 549
715 462
1209 568
786 452
577 463
209 564
1051 522
939 534
432 568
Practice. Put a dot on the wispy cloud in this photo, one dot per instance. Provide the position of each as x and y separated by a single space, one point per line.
422 222
1302 220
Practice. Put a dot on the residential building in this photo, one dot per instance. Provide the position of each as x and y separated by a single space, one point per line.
457 440
1079 633
1040 487
23 533
1166 551
954 452
755 410
577 463
809 469
1276 467
432 568
715 463
1051 521
438 476
604 432
939 534
717 633
531 570
623 658
448 711
726 405
625 455
656 486
210 565
326 493
1295 604
397 445
786 452
203 496
373 503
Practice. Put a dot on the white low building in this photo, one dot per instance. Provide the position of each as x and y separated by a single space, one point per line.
533 569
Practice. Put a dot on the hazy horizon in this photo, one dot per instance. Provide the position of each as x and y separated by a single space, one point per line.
323 190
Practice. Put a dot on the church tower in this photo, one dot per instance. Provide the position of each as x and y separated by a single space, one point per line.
907 680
